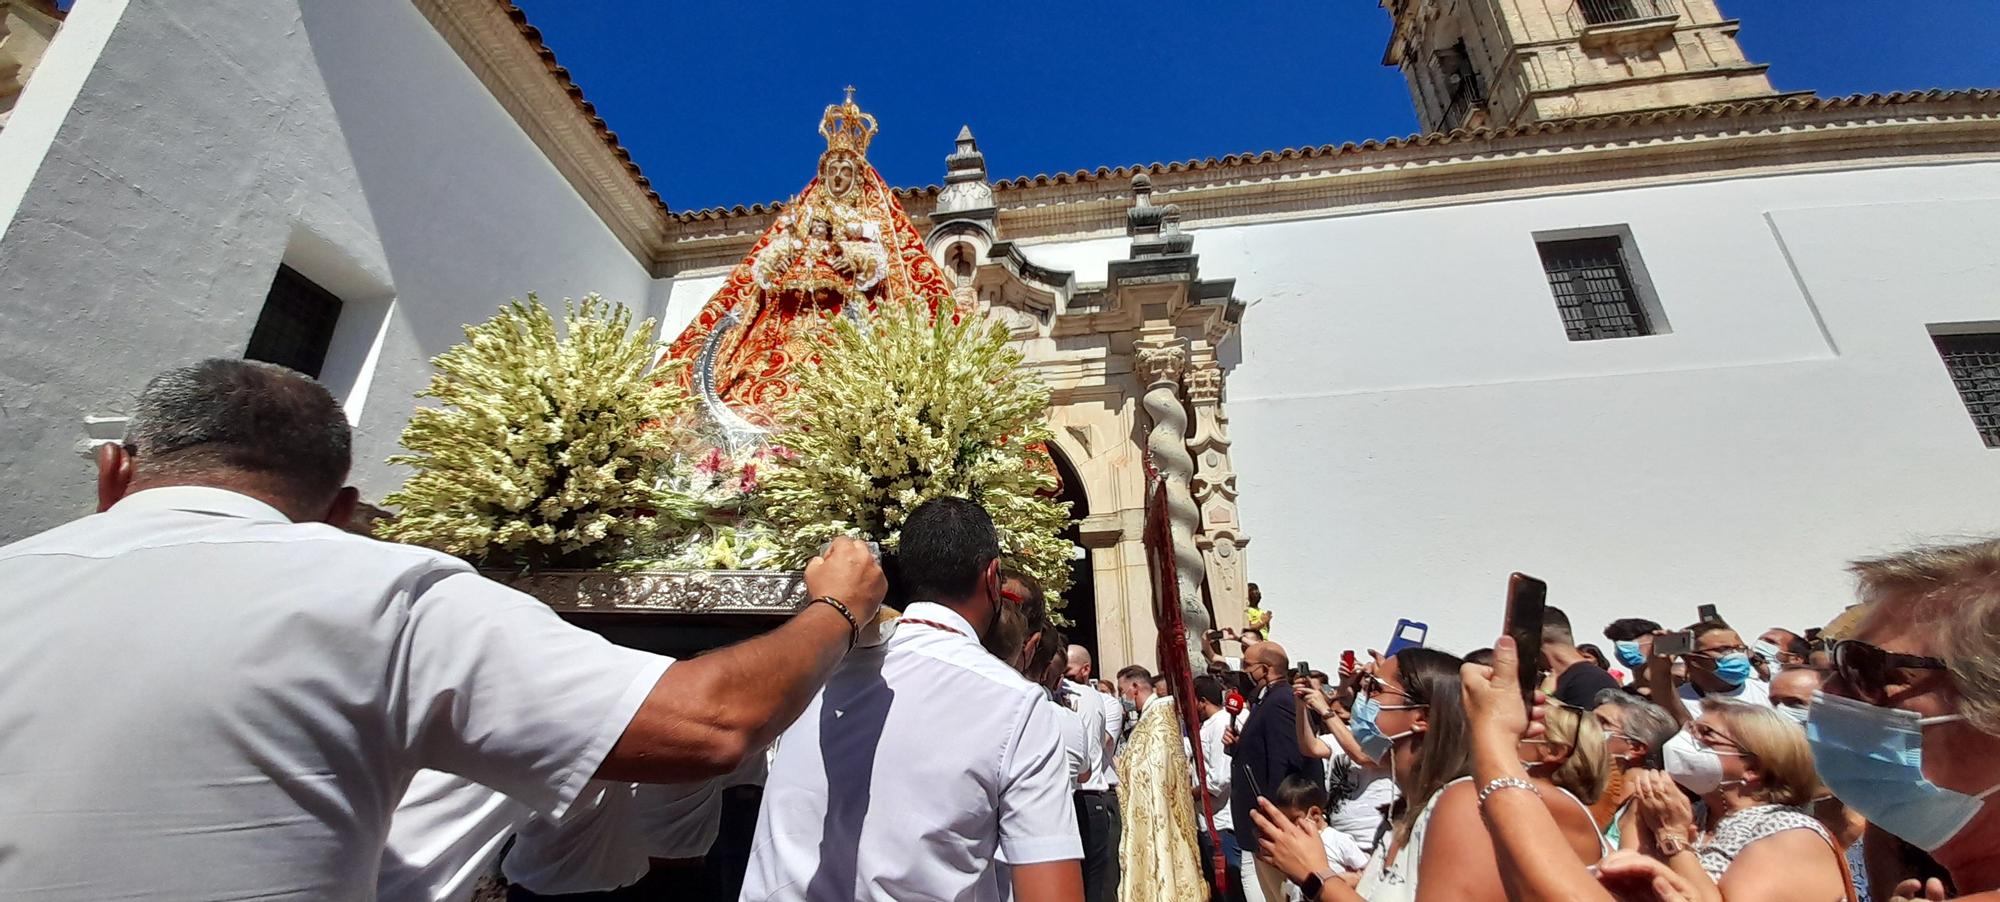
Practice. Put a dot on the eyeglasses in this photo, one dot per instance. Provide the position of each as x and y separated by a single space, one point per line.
1717 653
1371 686
1712 739
1871 671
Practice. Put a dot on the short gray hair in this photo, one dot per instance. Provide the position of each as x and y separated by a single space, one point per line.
243 416
1952 594
1644 721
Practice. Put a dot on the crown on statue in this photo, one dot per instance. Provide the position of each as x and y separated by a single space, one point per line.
846 127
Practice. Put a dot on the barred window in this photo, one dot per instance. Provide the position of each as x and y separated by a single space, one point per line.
1974 364
296 326
1593 288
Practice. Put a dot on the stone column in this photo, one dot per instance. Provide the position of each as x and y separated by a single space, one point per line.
1160 362
1220 535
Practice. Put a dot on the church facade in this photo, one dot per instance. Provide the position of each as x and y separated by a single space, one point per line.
1624 317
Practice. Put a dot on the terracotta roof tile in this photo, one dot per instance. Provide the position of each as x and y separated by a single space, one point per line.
1433 139
534 37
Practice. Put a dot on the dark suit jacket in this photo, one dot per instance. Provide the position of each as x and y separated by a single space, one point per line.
1266 752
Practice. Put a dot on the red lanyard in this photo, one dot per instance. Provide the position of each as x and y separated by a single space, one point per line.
934 625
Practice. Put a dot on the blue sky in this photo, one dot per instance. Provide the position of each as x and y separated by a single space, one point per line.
718 101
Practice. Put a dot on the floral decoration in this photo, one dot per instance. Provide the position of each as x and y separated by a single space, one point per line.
905 406
546 449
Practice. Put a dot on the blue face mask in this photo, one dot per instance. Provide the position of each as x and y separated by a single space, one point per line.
1369 736
1873 760
1764 651
1629 653
1733 668
1795 714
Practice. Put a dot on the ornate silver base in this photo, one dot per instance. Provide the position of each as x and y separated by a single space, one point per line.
765 592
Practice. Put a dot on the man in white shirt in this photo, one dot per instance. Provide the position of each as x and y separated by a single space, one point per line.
210 693
1097 797
1025 617
926 762
1215 723
1719 665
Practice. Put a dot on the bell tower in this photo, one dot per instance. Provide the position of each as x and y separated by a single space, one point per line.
1496 63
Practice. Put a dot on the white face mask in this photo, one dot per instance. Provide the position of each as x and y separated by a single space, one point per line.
1695 765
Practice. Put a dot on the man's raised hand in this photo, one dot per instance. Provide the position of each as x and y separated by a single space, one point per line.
849 572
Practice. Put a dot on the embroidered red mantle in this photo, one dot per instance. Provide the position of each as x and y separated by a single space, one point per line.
844 241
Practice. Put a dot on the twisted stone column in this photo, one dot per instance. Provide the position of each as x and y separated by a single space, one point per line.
1160 363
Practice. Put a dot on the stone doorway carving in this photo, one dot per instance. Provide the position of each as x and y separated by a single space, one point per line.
1151 330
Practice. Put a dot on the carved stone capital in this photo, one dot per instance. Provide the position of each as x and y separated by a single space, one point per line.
1159 361
1204 383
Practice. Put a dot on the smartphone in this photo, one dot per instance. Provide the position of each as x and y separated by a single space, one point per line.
1674 644
1526 599
1347 662
1302 671
1408 634
1708 614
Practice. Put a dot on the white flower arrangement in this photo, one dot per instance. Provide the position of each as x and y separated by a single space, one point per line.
907 406
547 450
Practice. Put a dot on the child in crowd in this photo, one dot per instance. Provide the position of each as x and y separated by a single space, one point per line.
1305 802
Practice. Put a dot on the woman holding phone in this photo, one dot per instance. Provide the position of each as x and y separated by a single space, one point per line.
1409 716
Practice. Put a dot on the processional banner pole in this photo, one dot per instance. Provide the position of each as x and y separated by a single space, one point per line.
1172 649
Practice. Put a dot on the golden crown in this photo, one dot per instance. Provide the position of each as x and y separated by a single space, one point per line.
846 127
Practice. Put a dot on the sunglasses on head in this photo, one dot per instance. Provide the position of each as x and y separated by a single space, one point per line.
1871 670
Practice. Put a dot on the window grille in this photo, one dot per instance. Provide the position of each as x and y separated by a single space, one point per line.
1593 289
1974 364
296 326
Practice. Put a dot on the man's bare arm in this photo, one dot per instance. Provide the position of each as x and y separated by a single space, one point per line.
705 714
1049 881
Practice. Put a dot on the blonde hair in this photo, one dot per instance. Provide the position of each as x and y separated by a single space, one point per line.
1588 768
1953 591
1779 746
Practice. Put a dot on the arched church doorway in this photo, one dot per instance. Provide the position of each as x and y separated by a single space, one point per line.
1081 598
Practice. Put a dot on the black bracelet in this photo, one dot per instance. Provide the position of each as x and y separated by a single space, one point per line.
853 625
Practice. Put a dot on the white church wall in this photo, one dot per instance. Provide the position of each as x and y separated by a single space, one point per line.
209 142
679 300
1411 422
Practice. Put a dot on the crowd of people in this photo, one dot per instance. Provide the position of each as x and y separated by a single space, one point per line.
212 689
1849 761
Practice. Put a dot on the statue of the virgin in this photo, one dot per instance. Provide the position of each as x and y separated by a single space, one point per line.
842 246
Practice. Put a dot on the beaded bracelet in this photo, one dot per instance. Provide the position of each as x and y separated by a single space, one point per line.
853 625
1500 783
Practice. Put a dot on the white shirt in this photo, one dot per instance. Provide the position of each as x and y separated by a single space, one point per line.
447 832
1753 690
1215 759
1100 721
682 820
1077 751
203 700
1341 850
1357 811
921 763
596 846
